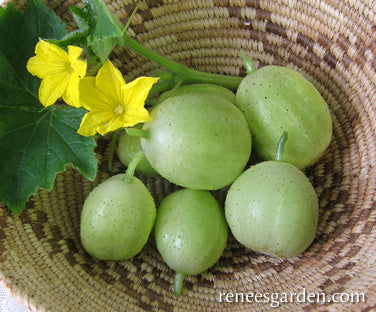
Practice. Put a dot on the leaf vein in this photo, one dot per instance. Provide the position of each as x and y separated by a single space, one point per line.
18 77
29 141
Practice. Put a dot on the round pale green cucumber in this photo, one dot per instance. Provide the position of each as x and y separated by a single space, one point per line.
273 208
190 232
117 219
128 147
276 99
203 88
197 141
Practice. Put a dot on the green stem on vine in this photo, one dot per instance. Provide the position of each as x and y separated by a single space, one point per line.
151 101
281 145
179 82
170 85
132 166
163 75
178 284
158 88
94 69
186 73
110 162
145 134
131 17
248 64
161 86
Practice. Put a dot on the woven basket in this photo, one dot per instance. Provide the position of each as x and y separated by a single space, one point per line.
333 44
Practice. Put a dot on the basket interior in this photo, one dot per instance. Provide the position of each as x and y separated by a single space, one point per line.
333 45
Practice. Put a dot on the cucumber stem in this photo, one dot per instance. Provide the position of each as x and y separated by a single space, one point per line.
248 64
145 134
161 87
132 166
115 135
178 284
281 145
186 73
131 17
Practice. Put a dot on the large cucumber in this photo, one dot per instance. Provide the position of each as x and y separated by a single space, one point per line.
275 99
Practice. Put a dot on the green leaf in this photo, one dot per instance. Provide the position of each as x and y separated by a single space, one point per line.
84 17
43 144
15 48
107 32
19 35
102 46
43 23
84 20
35 142
99 30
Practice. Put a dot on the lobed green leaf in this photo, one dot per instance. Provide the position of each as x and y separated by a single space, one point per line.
35 142
43 144
107 32
98 30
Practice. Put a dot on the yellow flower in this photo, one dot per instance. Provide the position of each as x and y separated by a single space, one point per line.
113 104
60 73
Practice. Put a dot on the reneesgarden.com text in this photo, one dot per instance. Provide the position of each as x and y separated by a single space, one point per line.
276 299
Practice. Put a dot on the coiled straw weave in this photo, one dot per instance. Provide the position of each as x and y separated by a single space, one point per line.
333 44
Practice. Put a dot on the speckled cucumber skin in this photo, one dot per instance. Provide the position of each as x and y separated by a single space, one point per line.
128 147
273 208
197 141
202 88
276 99
190 231
117 219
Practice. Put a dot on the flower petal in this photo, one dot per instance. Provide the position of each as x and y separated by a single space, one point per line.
52 88
49 60
112 104
74 52
110 81
114 124
135 93
134 117
71 95
47 50
93 122
78 65
92 98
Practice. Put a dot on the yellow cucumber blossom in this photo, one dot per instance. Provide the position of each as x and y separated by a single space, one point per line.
60 73
112 103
